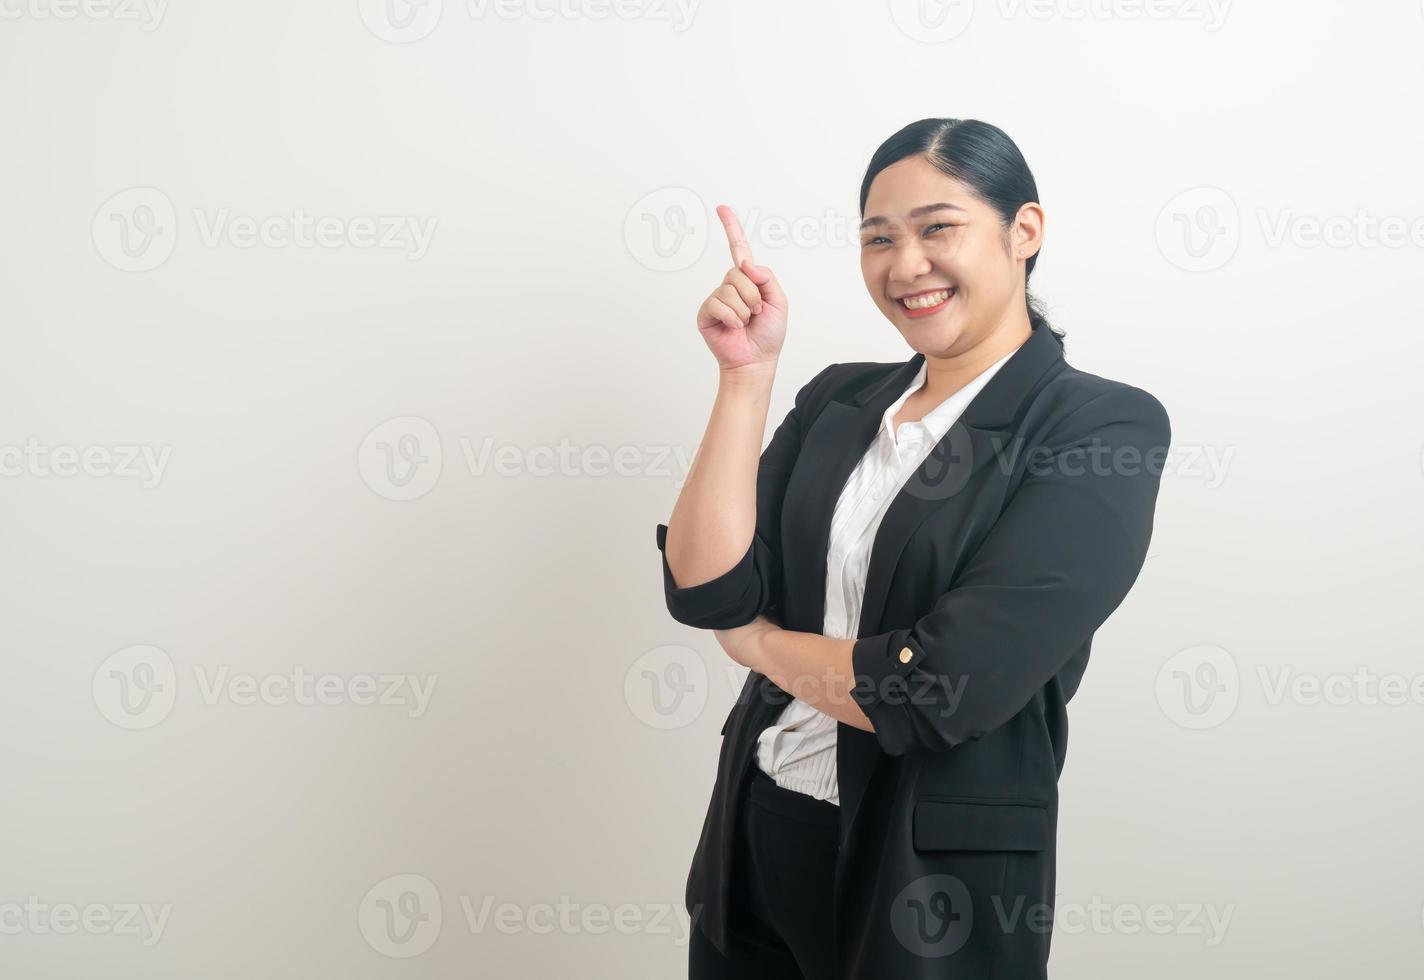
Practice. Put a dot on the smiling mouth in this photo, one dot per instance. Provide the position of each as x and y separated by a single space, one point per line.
923 304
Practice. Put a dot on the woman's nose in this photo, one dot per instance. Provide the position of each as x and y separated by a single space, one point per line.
910 264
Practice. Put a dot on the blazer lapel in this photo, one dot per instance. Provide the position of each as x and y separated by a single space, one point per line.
980 436
835 443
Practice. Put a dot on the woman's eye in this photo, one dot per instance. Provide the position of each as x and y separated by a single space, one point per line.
928 230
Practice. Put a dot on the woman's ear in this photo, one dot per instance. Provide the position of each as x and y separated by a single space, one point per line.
1027 230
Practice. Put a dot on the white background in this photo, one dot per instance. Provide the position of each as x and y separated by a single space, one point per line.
564 162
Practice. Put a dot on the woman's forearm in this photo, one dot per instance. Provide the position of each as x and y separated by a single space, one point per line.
714 518
812 668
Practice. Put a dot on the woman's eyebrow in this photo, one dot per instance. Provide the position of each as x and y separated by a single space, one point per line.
918 212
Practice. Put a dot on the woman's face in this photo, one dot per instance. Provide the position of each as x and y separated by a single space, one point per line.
910 248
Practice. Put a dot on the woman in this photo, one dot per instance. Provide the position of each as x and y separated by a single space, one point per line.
920 556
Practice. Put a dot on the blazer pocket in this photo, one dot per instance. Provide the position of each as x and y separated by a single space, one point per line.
981 825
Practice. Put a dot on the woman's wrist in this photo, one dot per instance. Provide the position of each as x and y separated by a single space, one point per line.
756 378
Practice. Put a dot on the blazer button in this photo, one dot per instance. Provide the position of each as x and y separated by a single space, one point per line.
905 655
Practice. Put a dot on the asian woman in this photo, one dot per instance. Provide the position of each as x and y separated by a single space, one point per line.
912 570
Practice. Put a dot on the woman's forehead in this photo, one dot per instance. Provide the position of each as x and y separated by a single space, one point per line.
898 193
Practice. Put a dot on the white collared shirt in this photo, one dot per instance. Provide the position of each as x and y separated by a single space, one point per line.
798 750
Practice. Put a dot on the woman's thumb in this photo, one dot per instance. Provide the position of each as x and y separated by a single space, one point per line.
765 281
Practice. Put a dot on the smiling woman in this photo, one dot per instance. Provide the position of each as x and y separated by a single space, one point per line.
913 570
977 240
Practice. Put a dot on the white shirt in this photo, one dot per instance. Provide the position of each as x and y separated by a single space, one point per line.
798 751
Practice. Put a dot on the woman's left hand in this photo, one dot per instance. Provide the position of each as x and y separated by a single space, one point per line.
743 644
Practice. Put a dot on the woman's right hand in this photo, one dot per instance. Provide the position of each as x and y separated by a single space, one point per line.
744 320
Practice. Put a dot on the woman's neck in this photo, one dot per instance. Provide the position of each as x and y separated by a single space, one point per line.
946 375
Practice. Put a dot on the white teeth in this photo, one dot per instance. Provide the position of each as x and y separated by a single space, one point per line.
927 300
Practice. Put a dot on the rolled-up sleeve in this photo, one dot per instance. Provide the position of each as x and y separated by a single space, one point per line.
1061 557
753 585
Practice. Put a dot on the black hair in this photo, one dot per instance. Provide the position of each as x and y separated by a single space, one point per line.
982 157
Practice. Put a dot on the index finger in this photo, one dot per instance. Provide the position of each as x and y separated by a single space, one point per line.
736 238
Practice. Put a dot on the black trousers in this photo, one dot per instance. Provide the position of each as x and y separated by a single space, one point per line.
782 884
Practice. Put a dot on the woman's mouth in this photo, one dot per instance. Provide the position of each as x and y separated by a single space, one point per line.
926 304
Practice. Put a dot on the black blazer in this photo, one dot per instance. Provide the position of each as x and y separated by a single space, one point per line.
992 568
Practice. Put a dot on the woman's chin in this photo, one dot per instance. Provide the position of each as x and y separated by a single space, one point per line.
931 336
